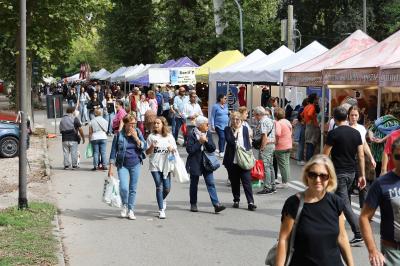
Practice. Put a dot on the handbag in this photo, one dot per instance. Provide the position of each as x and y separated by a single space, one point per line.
245 159
89 151
257 172
180 173
271 255
210 161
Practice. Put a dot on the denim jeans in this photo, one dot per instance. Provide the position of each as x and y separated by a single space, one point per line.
71 103
173 124
91 115
309 151
109 118
128 178
99 148
70 148
345 180
212 191
83 111
300 147
163 187
283 160
221 139
178 124
269 174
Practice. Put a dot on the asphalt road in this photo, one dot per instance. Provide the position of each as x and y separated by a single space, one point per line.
93 233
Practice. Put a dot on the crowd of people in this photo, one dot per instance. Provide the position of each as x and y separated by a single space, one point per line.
354 156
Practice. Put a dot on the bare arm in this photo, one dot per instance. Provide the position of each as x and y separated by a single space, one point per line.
343 242
90 132
283 241
375 257
82 135
385 159
361 163
368 152
327 150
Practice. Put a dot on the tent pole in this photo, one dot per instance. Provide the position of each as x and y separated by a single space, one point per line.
283 95
323 118
251 104
330 103
379 101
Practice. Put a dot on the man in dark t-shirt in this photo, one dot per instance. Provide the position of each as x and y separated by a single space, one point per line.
344 144
385 193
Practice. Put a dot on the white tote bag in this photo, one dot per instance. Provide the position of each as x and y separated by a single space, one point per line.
111 194
179 173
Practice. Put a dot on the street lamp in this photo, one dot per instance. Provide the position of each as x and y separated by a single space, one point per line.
365 16
241 24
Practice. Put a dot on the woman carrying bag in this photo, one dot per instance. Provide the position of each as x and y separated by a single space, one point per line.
161 145
236 135
199 142
321 218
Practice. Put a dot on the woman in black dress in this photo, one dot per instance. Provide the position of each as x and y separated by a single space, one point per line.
321 237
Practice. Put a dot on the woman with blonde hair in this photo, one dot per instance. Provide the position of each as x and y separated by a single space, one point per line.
321 218
160 145
244 114
152 101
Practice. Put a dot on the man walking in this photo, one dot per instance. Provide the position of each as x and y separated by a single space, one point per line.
179 104
69 128
385 193
191 111
344 143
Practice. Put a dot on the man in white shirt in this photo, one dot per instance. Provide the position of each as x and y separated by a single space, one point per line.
191 110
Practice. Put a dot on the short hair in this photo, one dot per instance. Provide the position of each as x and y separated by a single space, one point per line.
150 93
340 113
70 109
395 144
220 97
324 160
129 118
119 102
279 113
354 108
165 129
97 112
259 110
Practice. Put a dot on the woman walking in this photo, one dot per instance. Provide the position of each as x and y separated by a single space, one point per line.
200 140
117 122
83 100
322 216
219 121
109 112
93 104
283 145
142 108
160 145
98 139
238 135
152 101
127 153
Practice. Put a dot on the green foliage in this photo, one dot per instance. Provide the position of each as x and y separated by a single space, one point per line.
26 236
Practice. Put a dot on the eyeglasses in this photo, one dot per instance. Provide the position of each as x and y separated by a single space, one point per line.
396 157
314 175
236 119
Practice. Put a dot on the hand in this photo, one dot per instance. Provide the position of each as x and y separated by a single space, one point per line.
377 140
373 163
361 182
133 133
171 149
203 139
110 172
376 258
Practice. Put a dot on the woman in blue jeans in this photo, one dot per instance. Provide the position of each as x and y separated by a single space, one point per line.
219 120
98 139
127 155
200 140
161 144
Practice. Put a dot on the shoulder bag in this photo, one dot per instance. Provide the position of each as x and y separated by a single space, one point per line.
271 255
245 159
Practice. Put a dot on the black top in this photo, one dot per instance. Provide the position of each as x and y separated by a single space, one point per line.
110 107
317 231
344 141
194 148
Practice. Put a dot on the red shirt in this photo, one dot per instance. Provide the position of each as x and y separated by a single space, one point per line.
388 148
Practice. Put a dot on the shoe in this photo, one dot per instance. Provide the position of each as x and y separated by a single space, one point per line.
251 207
228 183
75 167
193 208
235 204
277 181
266 191
221 154
164 204
219 208
94 169
131 215
124 211
162 214
282 186
66 167
357 242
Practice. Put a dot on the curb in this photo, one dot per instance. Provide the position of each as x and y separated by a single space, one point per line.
57 234
46 157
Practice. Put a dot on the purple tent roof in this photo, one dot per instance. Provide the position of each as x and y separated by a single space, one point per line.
168 63
144 81
184 62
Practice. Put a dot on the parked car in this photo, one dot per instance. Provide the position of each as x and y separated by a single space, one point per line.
9 139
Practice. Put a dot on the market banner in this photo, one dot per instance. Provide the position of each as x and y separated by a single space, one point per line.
231 94
302 79
158 75
389 77
182 76
353 76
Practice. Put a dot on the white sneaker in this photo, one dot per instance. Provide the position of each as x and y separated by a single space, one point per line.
221 154
131 215
124 211
164 204
162 214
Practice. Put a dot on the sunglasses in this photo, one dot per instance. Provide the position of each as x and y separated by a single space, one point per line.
314 175
396 157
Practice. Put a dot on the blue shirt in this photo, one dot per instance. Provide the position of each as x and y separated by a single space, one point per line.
385 193
131 155
219 116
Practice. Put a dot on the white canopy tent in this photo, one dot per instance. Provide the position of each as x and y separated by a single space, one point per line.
99 74
144 71
132 70
114 74
73 78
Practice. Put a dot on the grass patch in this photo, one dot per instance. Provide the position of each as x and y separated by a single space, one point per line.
26 236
